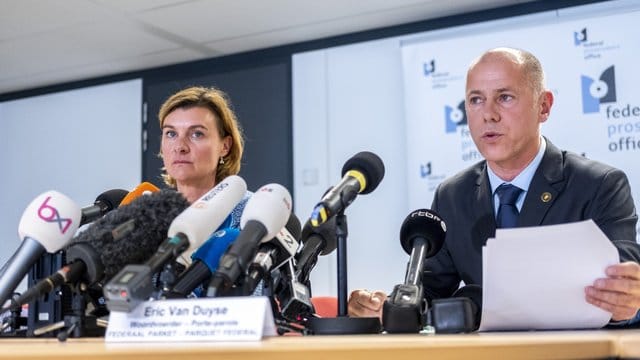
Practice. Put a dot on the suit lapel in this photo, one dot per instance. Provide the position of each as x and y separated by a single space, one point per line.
547 183
486 228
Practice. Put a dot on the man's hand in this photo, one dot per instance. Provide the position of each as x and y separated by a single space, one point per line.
363 303
619 292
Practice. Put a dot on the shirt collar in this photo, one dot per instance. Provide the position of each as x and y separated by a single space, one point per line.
522 180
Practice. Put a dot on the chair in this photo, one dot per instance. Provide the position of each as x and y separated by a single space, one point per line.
325 306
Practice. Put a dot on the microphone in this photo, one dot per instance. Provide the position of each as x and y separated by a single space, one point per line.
293 296
205 262
273 253
133 284
460 313
47 224
104 203
204 217
421 235
360 174
264 215
144 188
316 241
126 235
293 293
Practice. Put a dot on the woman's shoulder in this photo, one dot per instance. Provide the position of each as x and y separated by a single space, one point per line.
236 213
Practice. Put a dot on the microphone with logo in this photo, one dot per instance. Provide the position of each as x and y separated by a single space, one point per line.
126 235
421 235
205 262
361 174
104 203
47 224
264 215
133 284
273 254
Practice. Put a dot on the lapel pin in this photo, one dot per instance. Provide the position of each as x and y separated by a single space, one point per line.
545 197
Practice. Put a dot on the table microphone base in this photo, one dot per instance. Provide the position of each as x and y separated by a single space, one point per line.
343 325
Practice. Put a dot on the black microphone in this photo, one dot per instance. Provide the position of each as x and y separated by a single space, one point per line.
273 253
293 297
129 234
104 203
459 314
316 241
421 235
360 175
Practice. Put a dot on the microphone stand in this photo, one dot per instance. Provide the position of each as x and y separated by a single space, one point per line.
341 236
343 324
12 324
76 324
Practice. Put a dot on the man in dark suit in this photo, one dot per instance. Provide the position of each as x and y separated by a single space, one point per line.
506 102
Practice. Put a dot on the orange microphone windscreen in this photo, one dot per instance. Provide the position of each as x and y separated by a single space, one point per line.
142 189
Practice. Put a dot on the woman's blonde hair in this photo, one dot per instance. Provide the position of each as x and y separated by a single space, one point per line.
218 103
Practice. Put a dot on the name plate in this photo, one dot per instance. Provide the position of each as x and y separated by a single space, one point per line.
204 319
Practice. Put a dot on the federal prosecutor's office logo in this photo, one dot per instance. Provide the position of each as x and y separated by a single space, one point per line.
598 91
454 117
425 169
580 37
429 68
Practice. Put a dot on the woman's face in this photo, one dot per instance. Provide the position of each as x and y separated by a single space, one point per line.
191 146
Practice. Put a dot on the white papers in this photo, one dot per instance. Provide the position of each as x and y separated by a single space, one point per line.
534 278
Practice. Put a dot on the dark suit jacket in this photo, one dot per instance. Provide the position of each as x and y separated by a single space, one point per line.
566 187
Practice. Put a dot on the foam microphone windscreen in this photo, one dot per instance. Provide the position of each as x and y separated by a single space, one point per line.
151 216
425 224
369 165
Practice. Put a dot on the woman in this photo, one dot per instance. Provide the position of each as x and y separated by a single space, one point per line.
201 144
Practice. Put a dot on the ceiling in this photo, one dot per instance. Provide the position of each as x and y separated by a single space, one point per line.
47 42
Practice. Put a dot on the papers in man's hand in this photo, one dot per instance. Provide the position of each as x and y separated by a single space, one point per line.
534 278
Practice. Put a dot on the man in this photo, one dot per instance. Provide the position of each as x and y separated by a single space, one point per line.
506 102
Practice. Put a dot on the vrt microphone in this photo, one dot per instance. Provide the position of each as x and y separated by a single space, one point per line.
205 262
187 232
316 241
272 254
126 235
421 235
47 224
360 175
104 203
144 188
264 215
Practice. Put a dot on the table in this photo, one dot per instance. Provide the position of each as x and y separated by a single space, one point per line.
512 345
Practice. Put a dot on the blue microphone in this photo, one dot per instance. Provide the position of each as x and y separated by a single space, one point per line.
205 262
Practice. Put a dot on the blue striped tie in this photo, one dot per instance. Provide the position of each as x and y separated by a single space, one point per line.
507 211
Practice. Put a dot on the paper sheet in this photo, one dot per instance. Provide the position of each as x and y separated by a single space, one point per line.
534 278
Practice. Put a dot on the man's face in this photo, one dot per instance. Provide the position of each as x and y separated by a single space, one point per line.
503 112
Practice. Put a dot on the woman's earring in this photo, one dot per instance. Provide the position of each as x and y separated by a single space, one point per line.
221 162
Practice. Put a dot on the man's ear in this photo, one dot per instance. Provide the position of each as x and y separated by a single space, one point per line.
546 102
